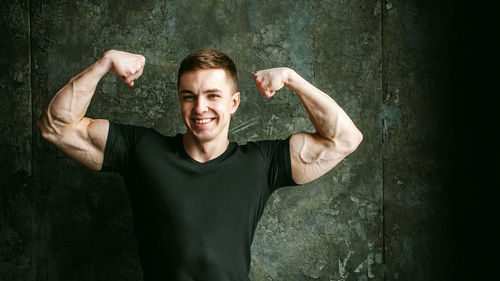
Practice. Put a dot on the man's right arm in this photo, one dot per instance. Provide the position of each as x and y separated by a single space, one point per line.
63 122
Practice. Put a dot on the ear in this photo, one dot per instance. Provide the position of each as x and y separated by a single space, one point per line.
235 102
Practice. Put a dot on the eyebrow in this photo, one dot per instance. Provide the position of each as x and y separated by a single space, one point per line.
214 90
186 91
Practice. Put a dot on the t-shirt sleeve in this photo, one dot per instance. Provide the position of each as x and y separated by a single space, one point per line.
120 146
277 156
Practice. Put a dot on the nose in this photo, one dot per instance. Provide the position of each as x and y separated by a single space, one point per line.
201 105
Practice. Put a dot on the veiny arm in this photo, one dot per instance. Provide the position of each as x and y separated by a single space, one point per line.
63 122
336 136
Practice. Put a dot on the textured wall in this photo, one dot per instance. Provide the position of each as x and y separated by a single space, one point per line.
416 133
16 212
382 214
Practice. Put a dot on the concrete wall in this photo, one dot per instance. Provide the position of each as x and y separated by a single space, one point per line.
384 213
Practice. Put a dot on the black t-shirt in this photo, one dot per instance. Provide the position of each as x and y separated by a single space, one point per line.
192 220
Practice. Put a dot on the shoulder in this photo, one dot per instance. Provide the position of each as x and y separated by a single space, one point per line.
136 135
265 145
267 148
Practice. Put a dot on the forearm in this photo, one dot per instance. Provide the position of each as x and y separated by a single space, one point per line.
70 104
328 118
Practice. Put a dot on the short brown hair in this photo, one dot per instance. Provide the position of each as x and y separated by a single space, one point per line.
209 59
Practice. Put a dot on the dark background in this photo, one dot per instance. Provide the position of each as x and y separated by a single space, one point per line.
416 201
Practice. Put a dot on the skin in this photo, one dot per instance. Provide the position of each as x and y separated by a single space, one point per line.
313 154
63 122
205 95
207 102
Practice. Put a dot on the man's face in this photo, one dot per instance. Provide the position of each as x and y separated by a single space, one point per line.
207 102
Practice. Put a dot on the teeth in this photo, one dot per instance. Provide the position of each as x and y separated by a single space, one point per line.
201 121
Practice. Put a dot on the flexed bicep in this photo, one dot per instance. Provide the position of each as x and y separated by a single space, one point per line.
84 142
63 122
313 156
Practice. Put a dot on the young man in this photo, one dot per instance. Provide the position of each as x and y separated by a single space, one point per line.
197 197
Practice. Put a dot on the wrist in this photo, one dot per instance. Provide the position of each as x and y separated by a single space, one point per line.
291 77
104 64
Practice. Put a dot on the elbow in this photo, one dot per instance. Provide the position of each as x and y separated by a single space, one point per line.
358 139
45 128
355 139
40 125
42 128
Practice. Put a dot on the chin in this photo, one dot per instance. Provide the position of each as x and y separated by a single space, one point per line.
202 136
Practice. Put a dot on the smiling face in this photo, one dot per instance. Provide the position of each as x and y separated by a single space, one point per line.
207 101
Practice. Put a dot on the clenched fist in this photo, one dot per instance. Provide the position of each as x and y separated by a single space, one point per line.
269 81
126 65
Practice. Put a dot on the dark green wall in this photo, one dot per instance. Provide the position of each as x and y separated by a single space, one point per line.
384 213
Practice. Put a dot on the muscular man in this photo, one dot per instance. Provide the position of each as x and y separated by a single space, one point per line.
197 197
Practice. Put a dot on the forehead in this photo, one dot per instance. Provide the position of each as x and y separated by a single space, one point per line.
203 79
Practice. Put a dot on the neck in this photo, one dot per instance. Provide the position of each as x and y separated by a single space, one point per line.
204 151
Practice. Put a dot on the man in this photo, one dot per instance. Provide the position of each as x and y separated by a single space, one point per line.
197 197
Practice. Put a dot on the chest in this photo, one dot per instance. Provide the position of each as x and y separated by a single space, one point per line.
191 195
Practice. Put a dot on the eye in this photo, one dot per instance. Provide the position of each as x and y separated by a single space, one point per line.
213 96
187 97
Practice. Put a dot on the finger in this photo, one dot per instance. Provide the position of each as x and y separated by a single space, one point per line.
142 60
139 66
260 85
265 91
257 77
139 74
136 75
261 90
127 78
269 93
131 79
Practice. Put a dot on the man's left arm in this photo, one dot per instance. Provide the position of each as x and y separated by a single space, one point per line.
313 154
